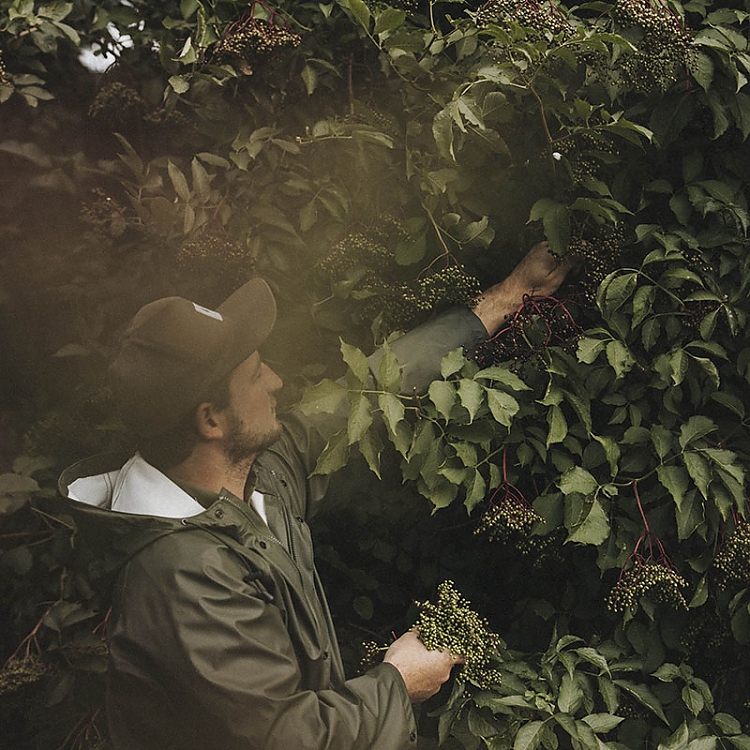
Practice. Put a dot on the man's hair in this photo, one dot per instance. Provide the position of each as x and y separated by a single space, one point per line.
170 448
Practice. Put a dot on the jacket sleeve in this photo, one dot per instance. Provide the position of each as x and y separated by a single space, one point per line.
201 658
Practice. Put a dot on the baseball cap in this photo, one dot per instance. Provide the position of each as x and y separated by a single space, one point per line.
174 351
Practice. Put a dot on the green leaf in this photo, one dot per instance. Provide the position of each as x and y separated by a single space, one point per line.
529 736
503 375
503 406
471 395
452 363
370 446
603 723
360 418
476 492
619 357
558 426
179 182
556 222
578 480
357 362
570 696
179 84
591 526
443 395
393 410
388 19
644 696
389 371
699 470
696 427
360 11
334 455
589 349
323 397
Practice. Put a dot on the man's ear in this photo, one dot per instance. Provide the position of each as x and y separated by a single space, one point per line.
208 421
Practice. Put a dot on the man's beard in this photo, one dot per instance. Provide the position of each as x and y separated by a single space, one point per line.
244 443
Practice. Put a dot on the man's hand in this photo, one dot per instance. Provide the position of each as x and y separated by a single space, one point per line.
538 273
423 671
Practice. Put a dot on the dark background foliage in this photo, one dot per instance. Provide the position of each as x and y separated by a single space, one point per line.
377 163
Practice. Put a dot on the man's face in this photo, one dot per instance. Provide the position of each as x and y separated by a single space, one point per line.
251 414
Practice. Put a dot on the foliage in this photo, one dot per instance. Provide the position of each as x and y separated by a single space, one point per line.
597 444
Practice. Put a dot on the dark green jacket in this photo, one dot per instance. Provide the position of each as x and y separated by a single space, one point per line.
220 635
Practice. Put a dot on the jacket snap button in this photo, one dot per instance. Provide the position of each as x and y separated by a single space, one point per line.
263 545
326 654
413 736
299 519
219 513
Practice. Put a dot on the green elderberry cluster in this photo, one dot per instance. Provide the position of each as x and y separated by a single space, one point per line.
253 43
116 103
20 674
542 18
664 48
508 520
652 578
361 251
450 623
212 256
731 566
545 552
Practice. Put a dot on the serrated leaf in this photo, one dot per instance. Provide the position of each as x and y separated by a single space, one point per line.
360 11
619 357
452 363
389 371
357 362
387 19
644 696
471 395
557 424
503 375
393 410
696 427
699 470
360 418
323 397
578 480
201 181
179 84
476 491
503 406
529 736
443 395
334 455
591 526
603 723
589 349
179 181
371 447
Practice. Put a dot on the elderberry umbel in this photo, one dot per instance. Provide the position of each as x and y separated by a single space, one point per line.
663 50
731 566
540 18
251 42
599 250
648 573
450 623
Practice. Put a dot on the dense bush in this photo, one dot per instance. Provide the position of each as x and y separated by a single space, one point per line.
581 477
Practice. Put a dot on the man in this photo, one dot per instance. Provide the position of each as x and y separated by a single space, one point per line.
220 635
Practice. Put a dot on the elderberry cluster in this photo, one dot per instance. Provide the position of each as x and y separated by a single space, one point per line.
663 48
253 43
116 103
600 253
366 260
541 18
539 323
4 77
695 310
731 566
508 520
20 674
450 623
211 256
652 578
544 551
